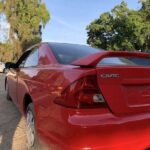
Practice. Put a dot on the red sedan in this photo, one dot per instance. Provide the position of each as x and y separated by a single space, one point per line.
76 97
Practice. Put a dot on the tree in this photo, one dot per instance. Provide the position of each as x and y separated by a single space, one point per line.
120 29
26 19
6 52
146 9
145 12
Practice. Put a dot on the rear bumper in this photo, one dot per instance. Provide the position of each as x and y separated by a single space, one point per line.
99 130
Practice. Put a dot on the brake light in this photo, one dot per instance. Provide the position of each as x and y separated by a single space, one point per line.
83 93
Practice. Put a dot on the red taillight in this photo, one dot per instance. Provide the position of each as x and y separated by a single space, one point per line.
83 93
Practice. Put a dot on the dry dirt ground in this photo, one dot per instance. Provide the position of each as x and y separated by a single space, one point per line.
12 124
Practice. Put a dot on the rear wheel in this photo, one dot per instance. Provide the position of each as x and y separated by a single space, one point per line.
32 140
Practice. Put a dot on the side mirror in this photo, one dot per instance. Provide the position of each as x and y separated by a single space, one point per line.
9 65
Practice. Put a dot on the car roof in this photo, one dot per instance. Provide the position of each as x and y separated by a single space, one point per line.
58 44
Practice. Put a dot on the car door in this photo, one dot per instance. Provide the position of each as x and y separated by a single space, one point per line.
12 77
26 73
12 82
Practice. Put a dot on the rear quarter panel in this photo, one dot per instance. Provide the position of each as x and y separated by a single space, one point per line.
44 84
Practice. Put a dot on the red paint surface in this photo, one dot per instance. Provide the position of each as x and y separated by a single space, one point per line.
124 124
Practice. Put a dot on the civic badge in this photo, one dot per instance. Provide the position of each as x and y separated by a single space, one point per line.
110 76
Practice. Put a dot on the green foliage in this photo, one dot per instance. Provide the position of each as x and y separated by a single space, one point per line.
122 29
6 53
26 19
146 9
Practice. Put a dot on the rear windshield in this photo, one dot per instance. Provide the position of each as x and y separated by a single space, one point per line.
140 61
67 53
125 61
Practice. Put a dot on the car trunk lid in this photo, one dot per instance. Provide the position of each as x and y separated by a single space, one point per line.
126 88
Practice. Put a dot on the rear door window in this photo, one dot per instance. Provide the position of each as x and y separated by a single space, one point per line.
21 61
32 59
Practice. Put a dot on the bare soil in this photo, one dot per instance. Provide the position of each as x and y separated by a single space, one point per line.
12 124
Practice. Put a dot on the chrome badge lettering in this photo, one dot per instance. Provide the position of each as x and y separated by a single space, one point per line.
110 75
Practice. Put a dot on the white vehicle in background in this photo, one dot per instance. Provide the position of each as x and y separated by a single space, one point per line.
2 67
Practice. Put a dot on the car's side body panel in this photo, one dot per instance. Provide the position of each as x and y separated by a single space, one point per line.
26 85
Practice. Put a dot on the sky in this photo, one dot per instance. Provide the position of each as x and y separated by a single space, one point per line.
4 29
69 18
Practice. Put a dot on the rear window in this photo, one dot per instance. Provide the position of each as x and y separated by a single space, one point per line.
125 61
140 61
67 53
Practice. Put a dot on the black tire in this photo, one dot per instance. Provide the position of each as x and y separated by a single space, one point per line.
7 93
36 145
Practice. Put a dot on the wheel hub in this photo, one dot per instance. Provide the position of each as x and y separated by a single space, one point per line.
30 129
